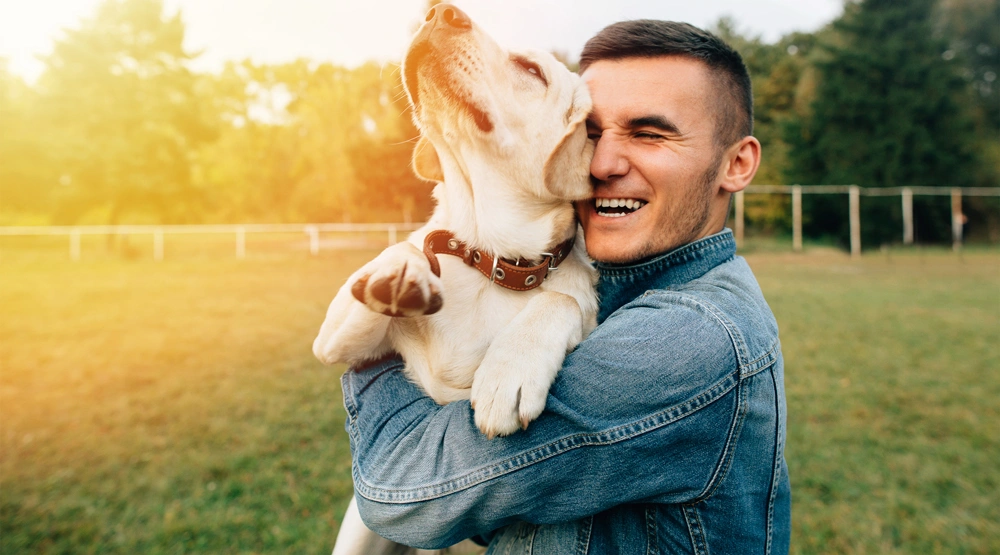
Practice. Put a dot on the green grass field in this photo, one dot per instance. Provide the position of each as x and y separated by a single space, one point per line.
175 407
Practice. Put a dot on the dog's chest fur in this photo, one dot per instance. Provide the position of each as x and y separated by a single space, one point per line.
442 351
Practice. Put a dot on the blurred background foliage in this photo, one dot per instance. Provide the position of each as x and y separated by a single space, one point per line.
890 94
118 129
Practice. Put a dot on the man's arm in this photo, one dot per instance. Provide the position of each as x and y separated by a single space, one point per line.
643 410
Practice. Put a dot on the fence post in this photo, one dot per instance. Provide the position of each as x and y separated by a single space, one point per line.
392 235
241 242
956 219
739 218
854 194
907 216
158 245
74 245
313 232
797 218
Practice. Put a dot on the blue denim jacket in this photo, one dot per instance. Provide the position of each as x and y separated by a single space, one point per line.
663 433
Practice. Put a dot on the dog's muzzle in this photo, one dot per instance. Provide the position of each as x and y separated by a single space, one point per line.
431 45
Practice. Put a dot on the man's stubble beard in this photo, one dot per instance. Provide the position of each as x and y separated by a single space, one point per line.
691 222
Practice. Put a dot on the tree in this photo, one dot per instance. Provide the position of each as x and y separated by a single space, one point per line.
312 142
973 31
776 70
251 172
27 178
120 104
353 139
889 110
381 158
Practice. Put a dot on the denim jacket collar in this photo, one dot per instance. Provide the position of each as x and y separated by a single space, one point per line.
620 283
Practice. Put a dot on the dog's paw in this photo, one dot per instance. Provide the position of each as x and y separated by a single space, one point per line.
399 282
506 397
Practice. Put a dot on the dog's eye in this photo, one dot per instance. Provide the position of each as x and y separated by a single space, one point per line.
530 67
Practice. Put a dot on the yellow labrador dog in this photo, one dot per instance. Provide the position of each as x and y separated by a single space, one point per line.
484 301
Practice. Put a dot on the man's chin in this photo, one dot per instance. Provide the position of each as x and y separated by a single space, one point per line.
608 251
614 240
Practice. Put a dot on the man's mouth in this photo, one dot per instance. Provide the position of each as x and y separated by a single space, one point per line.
617 207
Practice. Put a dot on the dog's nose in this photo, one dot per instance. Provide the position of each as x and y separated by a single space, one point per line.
449 15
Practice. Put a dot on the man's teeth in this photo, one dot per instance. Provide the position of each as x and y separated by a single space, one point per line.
630 205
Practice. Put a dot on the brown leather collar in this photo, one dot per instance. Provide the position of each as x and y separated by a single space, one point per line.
503 272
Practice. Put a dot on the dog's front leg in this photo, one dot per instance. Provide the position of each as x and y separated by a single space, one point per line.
399 282
512 383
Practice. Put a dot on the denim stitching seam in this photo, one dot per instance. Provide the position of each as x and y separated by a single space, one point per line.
614 435
652 541
763 362
692 302
778 462
729 451
690 252
583 536
734 335
350 407
695 532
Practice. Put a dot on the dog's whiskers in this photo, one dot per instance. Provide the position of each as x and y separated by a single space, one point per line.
381 68
413 140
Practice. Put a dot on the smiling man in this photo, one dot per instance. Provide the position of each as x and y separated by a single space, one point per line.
670 140
664 432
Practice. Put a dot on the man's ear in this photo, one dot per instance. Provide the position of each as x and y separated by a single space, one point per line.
426 164
741 165
567 171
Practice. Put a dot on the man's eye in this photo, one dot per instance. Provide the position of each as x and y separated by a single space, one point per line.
530 67
646 135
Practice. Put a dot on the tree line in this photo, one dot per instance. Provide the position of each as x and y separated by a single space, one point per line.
119 129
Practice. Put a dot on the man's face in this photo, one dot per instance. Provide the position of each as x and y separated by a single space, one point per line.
654 122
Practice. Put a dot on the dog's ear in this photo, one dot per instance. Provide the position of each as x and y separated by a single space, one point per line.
426 164
567 171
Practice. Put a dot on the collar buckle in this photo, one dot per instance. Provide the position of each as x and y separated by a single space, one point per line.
552 262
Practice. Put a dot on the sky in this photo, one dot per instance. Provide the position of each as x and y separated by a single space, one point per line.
352 32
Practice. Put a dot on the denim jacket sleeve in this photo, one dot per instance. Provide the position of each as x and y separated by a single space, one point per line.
643 410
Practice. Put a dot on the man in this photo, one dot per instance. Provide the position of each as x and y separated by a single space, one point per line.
665 430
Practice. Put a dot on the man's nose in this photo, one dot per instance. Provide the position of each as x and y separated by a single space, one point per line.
609 159
448 15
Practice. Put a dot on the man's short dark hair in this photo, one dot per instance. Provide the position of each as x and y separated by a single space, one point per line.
648 38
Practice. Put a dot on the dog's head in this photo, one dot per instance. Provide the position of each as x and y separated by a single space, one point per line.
522 114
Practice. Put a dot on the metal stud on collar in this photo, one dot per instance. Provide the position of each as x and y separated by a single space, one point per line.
529 279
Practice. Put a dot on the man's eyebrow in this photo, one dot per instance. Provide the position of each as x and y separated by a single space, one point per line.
658 122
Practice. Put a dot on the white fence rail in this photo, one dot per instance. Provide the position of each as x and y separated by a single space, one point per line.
854 194
313 231
238 231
